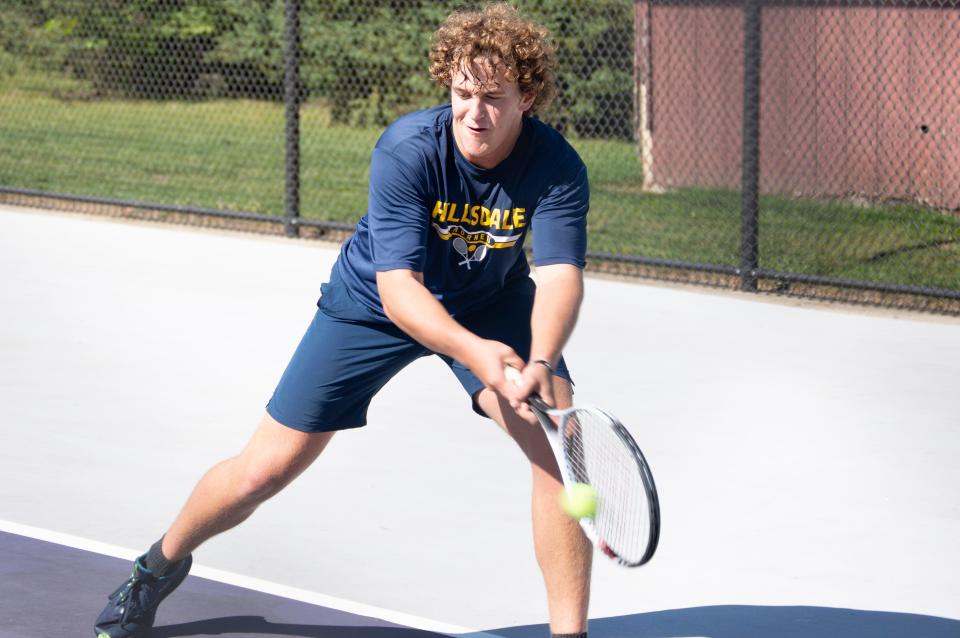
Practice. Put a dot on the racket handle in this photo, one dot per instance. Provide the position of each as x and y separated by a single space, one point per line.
534 399
537 403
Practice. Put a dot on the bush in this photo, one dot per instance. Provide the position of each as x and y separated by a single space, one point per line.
595 76
29 44
366 58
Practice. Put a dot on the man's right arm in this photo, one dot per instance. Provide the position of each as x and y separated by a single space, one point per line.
409 305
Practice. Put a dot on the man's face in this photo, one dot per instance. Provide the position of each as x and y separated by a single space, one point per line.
487 113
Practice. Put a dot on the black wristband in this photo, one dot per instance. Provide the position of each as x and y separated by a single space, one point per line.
546 364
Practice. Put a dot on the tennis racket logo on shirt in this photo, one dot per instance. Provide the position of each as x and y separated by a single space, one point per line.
460 245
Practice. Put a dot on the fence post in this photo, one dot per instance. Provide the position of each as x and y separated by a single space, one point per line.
643 101
749 212
292 101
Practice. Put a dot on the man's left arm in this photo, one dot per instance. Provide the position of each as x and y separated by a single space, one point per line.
559 226
555 310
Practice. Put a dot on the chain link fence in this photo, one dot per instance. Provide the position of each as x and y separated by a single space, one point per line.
807 148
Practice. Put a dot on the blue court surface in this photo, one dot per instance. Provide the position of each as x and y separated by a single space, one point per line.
805 454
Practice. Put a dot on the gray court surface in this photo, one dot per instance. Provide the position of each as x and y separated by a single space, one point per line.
806 455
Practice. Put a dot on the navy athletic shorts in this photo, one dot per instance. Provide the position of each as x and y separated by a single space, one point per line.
341 364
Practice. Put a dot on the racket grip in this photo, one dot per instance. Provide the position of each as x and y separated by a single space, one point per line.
536 402
534 399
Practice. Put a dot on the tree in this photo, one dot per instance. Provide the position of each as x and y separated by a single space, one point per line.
366 58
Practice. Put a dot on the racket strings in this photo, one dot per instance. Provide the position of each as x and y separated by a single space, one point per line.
596 455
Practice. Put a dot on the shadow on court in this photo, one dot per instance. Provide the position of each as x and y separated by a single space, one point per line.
260 626
749 621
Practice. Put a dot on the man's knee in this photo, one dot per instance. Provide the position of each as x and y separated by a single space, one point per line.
260 483
274 457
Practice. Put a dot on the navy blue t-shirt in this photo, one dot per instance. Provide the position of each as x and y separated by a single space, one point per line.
430 210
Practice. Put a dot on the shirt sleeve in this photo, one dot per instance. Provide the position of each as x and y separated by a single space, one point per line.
397 212
560 222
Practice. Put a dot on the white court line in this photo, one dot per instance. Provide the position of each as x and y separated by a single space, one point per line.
248 582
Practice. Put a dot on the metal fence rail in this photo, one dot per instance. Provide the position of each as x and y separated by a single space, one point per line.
801 147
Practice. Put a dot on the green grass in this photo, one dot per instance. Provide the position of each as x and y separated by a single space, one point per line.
230 155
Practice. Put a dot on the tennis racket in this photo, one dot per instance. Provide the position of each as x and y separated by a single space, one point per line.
593 447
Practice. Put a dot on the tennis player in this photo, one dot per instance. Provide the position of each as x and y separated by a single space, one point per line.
436 266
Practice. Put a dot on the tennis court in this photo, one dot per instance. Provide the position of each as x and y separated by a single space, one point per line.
805 455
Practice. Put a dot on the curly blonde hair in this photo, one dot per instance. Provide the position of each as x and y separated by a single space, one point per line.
498 34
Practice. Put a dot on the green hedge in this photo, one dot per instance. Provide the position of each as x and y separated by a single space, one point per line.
366 58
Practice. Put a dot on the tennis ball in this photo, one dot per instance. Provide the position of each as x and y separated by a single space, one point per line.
579 500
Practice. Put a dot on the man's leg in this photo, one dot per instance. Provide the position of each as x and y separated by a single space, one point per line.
334 373
563 552
233 489
224 497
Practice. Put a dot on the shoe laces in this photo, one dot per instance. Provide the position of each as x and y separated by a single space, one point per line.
127 594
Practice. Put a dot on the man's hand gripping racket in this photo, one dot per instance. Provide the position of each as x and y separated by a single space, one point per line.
593 448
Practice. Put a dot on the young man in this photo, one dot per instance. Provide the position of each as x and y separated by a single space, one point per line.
435 267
